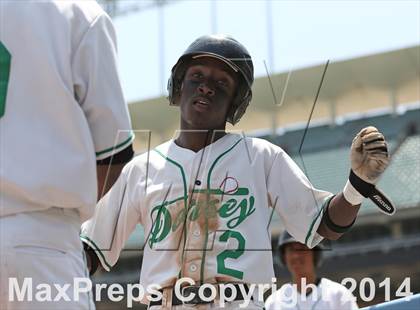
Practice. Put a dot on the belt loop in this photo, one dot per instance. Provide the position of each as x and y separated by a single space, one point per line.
217 299
167 298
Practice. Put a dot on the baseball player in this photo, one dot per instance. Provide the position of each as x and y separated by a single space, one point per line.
307 291
205 198
64 129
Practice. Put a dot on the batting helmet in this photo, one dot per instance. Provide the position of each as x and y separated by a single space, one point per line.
286 238
228 50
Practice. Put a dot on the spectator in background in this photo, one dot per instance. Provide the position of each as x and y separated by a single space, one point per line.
307 290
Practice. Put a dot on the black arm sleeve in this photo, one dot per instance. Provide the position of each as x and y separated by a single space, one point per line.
122 157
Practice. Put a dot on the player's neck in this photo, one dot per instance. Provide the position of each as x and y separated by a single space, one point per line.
197 140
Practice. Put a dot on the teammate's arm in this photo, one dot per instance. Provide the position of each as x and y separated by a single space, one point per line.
109 169
369 159
98 91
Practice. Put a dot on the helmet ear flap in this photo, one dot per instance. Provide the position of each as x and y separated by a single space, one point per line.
170 88
238 107
175 82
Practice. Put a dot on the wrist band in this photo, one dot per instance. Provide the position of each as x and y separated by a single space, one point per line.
352 195
333 226
363 187
356 188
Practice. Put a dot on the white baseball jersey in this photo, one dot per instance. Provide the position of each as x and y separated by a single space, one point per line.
206 214
329 295
60 103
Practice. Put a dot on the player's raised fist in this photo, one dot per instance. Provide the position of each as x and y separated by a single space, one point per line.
369 154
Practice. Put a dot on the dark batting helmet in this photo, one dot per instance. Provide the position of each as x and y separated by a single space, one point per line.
286 238
228 50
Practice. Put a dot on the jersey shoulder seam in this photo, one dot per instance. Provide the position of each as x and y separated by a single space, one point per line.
89 27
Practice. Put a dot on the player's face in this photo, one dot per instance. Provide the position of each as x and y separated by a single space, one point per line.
299 259
207 91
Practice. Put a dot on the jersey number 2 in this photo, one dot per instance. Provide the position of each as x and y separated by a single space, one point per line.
221 268
5 60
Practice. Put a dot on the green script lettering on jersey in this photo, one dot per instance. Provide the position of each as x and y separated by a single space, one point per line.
161 225
237 209
232 206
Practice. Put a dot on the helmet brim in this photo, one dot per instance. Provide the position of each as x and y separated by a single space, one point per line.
215 56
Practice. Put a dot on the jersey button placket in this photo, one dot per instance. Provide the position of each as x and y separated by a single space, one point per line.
193 252
193 244
195 237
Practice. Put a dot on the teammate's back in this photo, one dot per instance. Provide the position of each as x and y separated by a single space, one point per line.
63 123
56 115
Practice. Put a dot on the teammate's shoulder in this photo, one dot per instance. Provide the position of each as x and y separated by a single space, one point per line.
82 11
